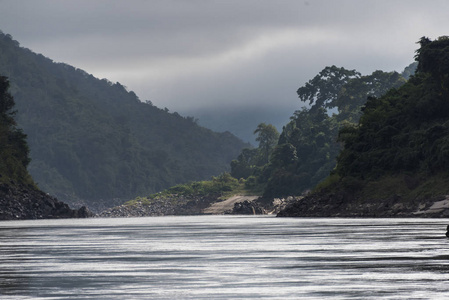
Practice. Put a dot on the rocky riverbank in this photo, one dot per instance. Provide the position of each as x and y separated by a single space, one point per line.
347 205
167 206
23 203
180 205
261 206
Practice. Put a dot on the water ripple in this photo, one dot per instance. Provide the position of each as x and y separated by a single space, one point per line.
224 257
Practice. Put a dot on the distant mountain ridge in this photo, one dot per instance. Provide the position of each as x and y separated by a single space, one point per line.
94 142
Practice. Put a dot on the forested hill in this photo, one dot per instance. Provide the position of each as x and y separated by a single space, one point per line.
19 196
395 161
95 141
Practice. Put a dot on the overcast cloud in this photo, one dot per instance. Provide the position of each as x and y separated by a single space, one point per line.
196 55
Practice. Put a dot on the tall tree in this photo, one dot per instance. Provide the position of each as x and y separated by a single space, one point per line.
433 57
246 163
355 92
6 104
267 136
324 88
14 151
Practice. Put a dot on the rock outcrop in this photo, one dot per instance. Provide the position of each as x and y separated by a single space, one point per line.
248 208
22 203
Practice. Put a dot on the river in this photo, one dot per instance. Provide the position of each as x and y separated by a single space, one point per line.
224 257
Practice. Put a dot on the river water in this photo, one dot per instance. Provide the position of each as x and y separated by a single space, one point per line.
224 257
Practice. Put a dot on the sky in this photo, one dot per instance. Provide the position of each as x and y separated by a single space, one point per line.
210 59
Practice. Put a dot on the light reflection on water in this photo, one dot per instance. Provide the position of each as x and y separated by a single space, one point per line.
224 257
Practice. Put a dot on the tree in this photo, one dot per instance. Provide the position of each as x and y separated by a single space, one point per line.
284 155
324 88
407 129
409 70
267 136
355 92
14 151
6 104
245 164
433 57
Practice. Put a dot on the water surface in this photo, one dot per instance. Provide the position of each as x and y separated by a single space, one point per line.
224 257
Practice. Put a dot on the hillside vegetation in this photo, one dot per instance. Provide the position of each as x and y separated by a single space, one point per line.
95 142
397 155
14 151
305 151
295 161
19 196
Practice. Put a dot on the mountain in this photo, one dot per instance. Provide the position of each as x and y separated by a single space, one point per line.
94 142
19 196
395 161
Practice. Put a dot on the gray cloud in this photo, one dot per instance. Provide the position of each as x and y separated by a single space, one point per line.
195 54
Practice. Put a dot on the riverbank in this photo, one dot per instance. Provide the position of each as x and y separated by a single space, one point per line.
225 206
24 203
180 205
347 205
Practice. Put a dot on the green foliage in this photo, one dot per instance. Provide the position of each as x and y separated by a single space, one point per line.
218 186
305 154
324 88
409 70
284 156
250 160
407 129
267 136
14 151
307 148
355 92
251 182
92 139
197 193
329 181
308 145
433 57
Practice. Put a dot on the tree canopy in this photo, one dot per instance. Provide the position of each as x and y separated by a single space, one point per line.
407 129
307 147
354 93
324 88
267 136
